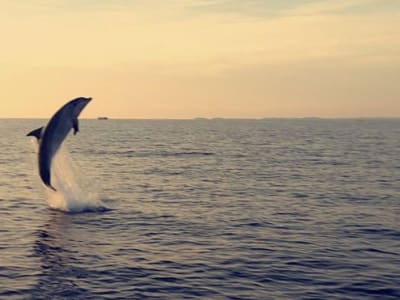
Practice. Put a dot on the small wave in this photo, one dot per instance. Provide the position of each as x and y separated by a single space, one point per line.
380 232
173 154
194 153
133 153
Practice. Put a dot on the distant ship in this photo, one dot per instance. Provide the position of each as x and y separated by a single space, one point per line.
102 118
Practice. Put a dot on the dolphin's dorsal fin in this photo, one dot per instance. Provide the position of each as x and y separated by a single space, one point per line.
76 126
37 133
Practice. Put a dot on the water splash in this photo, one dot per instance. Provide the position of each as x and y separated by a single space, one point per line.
71 195
72 187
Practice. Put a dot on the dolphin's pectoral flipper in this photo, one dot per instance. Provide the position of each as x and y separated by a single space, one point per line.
76 126
37 133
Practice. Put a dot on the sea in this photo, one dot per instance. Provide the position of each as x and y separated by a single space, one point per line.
203 209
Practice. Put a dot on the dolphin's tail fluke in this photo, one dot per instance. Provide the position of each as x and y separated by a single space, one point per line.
37 133
51 187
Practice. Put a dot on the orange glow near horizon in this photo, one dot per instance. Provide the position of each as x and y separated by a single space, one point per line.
187 59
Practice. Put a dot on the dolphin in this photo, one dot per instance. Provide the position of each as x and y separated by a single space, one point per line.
51 137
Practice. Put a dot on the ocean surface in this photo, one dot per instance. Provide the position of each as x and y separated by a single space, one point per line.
205 209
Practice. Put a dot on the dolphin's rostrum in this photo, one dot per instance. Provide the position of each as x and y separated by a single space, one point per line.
51 137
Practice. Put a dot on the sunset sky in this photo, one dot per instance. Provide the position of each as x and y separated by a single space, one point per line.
201 58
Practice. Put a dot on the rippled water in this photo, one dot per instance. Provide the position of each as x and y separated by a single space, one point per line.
208 209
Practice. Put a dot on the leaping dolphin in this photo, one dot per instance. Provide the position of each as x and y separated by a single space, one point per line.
51 137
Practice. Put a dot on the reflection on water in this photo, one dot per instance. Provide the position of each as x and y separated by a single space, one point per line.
57 258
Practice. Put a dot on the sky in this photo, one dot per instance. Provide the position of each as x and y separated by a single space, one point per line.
201 58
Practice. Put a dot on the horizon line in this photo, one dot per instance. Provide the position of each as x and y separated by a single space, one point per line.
215 118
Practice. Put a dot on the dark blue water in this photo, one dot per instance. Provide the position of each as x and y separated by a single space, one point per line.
208 209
